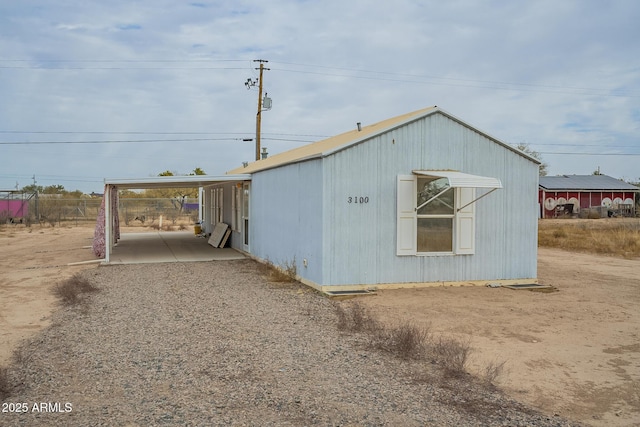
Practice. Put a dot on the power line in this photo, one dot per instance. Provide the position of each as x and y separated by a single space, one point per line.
480 85
120 133
118 141
120 68
436 77
125 60
583 145
79 132
147 140
289 140
39 66
591 154
364 75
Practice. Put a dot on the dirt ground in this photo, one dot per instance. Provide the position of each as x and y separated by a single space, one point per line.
574 352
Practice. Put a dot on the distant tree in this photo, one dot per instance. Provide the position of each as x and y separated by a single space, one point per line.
32 188
129 194
179 195
536 155
54 189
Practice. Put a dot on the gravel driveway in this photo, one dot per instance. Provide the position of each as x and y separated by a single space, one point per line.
212 343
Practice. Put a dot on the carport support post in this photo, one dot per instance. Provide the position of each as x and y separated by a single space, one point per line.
107 223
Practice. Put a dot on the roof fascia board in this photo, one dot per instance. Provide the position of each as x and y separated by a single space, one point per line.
174 181
435 110
335 150
290 162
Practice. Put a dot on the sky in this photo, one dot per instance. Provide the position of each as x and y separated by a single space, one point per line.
129 89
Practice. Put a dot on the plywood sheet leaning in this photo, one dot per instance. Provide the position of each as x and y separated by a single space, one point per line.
218 234
225 238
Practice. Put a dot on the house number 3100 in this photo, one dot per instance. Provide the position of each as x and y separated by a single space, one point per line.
358 199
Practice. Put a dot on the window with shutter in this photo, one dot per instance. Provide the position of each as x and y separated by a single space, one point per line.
436 212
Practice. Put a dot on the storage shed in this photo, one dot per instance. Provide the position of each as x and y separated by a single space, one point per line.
601 195
416 200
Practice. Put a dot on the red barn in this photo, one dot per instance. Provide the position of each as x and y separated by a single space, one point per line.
571 194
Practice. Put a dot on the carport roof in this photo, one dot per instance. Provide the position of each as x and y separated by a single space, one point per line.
187 181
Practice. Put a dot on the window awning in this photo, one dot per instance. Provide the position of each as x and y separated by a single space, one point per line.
462 180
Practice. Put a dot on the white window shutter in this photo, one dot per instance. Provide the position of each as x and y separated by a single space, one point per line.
406 218
233 208
465 221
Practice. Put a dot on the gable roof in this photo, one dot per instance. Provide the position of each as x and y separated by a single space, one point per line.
345 140
584 182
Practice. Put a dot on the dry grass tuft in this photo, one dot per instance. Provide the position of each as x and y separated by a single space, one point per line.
355 318
70 291
285 273
610 236
492 371
407 340
452 354
410 341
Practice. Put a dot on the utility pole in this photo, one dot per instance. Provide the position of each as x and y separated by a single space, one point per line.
35 188
249 84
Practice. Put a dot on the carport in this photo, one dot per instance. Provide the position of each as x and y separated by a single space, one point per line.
160 246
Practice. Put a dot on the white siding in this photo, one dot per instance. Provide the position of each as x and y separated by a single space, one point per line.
286 216
360 240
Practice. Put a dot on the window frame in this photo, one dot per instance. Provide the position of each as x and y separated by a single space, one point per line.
463 217
419 216
217 200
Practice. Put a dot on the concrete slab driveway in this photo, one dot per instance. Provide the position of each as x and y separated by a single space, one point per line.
172 246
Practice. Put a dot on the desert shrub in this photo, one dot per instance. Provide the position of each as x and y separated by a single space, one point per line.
285 273
290 269
452 354
406 340
356 318
560 233
492 371
69 291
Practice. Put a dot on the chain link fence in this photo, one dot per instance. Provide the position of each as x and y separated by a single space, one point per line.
135 211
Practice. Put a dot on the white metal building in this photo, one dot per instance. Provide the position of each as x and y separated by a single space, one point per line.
395 204
416 200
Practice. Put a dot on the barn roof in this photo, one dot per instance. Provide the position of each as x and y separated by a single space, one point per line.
342 141
584 182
